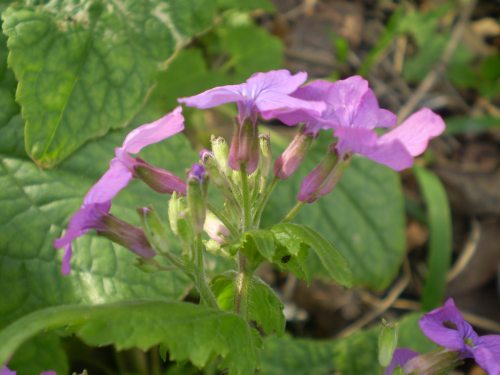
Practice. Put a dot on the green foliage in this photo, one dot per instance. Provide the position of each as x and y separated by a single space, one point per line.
144 324
353 355
264 306
41 353
469 125
245 5
440 242
36 205
332 262
85 67
364 216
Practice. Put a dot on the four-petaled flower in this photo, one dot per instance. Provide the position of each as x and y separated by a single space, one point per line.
94 212
447 327
262 93
399 359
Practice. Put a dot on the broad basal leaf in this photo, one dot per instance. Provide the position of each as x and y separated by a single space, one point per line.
36 205
190 332
364 216
86 66
265 309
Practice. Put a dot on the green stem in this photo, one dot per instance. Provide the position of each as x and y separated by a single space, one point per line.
246 198
206 293
263 202
242 284
293 212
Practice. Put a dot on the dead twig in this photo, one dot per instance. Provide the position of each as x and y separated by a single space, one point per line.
467 253
440 66
382 306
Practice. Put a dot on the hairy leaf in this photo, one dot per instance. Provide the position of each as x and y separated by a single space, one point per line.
86 66
190 332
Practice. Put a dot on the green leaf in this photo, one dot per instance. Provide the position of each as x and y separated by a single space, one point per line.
86 67
441 239
363 216
36 206
353 355
264 306
259 244
41 353
471 125
246 5
334 264
8 86
190 332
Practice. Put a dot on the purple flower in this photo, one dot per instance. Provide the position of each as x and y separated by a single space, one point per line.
6 371
399 359
263 93
353 113
446 327
94 212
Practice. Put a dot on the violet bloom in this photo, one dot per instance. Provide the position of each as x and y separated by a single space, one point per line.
263 93
94 212
6 371
446 327
353 113
399 359
266 94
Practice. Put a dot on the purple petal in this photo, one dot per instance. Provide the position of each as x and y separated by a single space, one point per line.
487 353
365 142
216 96
271 102
416 131
446 327
86 218
50 372
399 358
6 371
386 118
157 131
110 184
279 81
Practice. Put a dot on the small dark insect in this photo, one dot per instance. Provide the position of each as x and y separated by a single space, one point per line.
286 259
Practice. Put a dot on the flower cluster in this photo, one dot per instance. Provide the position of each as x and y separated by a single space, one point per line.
347 108
446 327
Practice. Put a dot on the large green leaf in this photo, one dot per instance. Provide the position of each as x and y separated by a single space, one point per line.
354 355
190 332
36 205
41 353
364 216
86 66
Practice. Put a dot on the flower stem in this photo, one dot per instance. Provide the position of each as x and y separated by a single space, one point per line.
200 280
246 198
263 202
242 284
294 211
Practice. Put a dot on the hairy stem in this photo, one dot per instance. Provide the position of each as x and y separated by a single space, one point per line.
293 212
263 202
206 294
246 198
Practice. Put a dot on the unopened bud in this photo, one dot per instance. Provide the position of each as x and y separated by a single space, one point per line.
266 154
196 196
244 148
215 229
439 361
154 229
292 157
220 150
387 342
213 169
158 179
177 216
127 235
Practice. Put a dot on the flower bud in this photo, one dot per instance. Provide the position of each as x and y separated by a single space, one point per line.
196 196
439 361
154 229
127 235
290 159
158 179
177 216
215 229
312 183
221 154
266 154
387 342
213 169
244 148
